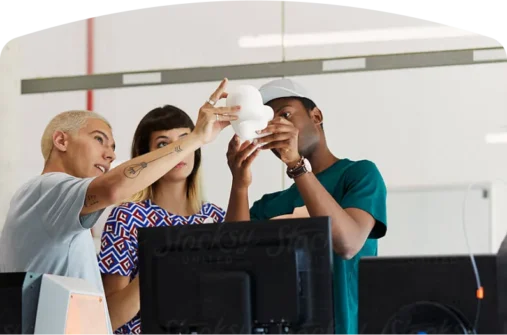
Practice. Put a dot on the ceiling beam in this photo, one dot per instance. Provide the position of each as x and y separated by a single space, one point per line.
264 70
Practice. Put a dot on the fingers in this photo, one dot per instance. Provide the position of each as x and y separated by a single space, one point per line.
277 132
275 137
217 95
277 128
278 125
222 114
224 117
248 161
235 146
234 143
280 120
244 145
277 145
223 110
219 114
243 154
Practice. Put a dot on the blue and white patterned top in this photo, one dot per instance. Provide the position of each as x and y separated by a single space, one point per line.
119 246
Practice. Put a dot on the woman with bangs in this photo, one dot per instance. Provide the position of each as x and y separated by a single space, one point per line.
175 199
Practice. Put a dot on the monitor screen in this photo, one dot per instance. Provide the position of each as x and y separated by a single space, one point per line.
427 294
238 277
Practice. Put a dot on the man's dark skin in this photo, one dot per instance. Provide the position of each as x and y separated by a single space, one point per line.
295 132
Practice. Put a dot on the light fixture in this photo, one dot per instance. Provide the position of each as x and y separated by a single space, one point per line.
495 138
489 55
351 36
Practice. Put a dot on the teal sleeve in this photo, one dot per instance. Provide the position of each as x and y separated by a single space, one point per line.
261 208
365 189
256 211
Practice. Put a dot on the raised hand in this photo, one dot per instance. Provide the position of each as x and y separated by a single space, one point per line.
212 120
282 138
239 159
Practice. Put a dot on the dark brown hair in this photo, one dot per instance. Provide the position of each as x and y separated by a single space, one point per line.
166 118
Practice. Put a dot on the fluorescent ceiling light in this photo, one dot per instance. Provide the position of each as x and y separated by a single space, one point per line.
489 55
494 138
352 36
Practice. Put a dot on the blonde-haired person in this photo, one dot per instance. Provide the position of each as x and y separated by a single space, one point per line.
47 229
174 199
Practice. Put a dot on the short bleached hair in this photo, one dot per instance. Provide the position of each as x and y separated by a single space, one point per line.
68 122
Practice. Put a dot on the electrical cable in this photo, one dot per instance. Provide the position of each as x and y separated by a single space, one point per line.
480 290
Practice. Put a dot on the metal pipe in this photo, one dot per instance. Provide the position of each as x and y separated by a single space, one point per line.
89 59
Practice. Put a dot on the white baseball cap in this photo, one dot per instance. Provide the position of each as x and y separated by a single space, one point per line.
283 88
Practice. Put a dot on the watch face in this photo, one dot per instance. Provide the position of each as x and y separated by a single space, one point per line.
308 166
300 170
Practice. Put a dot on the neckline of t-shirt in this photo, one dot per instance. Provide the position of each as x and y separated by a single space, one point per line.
338 162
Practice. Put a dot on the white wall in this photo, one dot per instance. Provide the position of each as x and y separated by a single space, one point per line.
58 51
10 161
421 126
428 220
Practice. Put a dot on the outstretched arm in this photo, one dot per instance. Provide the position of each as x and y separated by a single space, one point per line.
140 172
240 158
137 174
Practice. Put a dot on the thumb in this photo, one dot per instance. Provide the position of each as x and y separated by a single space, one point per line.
236 142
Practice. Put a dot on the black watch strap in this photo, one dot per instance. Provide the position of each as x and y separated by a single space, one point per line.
298 170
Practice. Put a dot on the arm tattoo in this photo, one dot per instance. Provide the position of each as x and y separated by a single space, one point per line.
91 200
132 171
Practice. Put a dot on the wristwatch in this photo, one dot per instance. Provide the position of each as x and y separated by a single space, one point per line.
302 167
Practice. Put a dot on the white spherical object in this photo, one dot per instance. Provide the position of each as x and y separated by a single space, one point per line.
253 115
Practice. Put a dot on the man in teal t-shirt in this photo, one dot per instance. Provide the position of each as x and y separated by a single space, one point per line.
352 193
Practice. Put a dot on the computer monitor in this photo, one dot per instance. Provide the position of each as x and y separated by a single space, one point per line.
434 294
262 277
429 295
